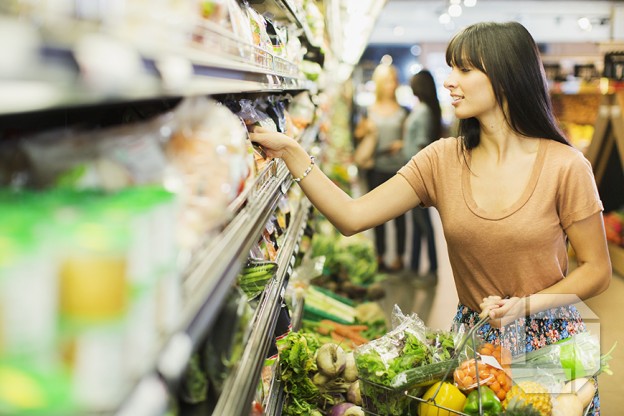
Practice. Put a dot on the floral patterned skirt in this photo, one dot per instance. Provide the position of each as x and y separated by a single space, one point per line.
531 333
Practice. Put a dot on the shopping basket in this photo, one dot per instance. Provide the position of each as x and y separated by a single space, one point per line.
408 400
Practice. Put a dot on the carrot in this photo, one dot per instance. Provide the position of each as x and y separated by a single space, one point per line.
343 340
353 336
344 326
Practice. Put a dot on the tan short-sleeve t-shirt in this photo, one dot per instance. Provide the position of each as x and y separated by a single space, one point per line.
520 250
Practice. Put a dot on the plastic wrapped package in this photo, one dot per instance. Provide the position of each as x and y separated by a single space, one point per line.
409 358
251 115
111 158
260 38
215 11
208 166
240 26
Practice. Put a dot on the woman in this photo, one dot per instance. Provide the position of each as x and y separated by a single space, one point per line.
385 117
510 190
422 127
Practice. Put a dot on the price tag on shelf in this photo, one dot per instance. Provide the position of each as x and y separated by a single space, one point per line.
272 81
176 72
107 64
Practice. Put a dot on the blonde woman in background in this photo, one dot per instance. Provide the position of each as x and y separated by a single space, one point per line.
385 118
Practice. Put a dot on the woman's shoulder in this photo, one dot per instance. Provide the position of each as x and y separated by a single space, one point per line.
445 147
564 152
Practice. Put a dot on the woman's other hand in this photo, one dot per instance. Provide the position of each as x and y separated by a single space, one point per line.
364 128
502 311
274 144
395 147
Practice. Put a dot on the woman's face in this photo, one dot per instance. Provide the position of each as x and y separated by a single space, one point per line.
387 84
471 92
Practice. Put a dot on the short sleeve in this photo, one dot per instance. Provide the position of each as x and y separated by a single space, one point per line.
420 171
578 196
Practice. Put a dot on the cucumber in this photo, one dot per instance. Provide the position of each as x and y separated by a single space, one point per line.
259 274
424 375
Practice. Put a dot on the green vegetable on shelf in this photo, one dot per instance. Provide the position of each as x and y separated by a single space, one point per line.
490 404
255 276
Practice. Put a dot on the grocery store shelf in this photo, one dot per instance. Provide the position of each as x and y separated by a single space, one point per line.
207 284
78 70
241 386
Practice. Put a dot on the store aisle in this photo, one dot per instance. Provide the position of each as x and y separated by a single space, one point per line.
436 305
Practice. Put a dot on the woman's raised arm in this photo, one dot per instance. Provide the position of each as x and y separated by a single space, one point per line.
348 215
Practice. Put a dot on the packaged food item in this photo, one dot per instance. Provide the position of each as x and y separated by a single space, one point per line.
251 114
258 24
215 11
28 285
208 166
110 158
241 27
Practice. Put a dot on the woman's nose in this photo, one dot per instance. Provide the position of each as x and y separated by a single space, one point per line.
449 82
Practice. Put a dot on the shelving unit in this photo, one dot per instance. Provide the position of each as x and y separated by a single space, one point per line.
62 79
240 386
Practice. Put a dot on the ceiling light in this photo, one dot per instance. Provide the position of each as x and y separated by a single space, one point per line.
444 18
398 31
416 50
455 10
584 24
415 68
470 3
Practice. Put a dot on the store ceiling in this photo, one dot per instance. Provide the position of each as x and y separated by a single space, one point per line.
417 21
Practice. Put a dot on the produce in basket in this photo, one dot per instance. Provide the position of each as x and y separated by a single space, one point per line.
520 408
573 357
424 375
380 360
490 404
440 397
486 371
567 405
583 388
529 393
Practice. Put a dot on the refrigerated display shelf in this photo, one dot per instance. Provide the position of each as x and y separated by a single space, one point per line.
208 283
242 383
59 75
209 280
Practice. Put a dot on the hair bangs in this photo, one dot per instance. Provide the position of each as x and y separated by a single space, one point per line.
465 51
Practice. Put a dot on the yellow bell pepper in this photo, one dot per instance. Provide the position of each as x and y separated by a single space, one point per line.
449 396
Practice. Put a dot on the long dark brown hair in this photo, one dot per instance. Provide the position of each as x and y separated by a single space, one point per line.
423 86
508 55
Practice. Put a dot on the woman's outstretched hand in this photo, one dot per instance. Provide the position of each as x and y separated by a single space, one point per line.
274 144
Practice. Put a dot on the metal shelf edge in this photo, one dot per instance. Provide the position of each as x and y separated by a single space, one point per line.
241 384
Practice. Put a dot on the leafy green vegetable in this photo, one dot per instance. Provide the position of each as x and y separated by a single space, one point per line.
354 257
380 361
297 364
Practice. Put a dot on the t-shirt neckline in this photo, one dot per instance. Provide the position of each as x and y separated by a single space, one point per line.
519 203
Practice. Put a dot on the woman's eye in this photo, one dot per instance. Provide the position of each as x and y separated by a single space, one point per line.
464 69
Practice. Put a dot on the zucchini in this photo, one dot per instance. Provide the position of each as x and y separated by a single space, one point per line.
424 375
